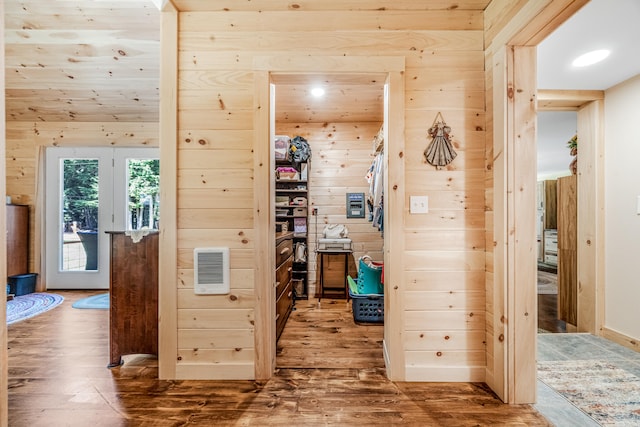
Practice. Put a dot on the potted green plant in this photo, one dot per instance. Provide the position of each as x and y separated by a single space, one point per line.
573 147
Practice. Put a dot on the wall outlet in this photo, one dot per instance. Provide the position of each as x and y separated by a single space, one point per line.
419 205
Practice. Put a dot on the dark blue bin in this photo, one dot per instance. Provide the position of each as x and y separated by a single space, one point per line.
22 284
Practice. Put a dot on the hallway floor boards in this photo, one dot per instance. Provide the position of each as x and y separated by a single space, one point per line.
58 377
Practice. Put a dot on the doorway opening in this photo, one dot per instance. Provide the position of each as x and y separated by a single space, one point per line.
90 191
343 130
556 219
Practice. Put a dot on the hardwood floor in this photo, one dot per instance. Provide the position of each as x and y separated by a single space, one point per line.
548 314
548 310
327 337
330 373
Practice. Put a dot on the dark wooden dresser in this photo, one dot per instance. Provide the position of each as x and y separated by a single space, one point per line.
284 267
133 313
17 239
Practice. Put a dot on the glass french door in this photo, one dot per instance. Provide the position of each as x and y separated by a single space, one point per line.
90 191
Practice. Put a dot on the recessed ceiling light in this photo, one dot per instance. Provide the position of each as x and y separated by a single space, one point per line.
590 58
317 92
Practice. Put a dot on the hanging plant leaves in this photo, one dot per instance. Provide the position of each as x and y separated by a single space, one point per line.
440 151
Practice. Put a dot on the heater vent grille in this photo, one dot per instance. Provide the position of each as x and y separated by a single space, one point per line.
211 270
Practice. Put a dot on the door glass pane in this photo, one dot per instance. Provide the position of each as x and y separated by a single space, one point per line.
79 214
143 193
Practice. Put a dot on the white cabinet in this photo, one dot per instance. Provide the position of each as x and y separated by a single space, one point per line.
546 215
551 247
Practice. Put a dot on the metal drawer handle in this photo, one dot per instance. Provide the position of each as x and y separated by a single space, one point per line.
285 250
277 283
289 294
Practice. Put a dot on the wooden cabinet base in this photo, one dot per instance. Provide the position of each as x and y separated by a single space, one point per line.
283 290
133 311
17 239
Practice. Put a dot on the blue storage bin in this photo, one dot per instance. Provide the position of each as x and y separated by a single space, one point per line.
22 284
367 308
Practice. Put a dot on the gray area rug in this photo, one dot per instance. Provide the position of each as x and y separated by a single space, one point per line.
547 283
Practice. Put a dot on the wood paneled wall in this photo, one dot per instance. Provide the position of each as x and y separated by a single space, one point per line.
442 290
341 156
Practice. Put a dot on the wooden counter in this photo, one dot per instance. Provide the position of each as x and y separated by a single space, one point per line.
133 289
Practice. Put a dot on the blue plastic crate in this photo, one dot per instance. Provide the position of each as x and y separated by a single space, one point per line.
22 284
367 308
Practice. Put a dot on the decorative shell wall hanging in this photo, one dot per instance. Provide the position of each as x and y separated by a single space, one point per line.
440 151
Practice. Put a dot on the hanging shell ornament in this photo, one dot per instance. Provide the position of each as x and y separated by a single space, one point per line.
440 151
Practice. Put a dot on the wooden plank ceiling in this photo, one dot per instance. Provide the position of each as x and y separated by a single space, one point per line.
347 98
82 60
99 61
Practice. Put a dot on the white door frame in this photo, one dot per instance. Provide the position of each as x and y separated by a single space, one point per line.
112 214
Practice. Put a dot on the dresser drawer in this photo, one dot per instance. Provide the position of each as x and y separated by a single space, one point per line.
550 242
551 259
283 308
283 250
283 275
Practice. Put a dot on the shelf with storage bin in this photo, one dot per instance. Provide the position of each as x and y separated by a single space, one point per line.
291 212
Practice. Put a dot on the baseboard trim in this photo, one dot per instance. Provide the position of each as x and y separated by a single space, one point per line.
619 338
385 354
452 374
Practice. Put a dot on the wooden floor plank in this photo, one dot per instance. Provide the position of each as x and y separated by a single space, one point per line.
330 372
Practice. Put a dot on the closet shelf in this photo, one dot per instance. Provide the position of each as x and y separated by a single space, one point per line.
290 190
292 181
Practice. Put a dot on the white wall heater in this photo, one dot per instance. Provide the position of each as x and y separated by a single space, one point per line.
211 271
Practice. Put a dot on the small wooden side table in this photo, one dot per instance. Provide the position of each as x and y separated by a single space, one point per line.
345 287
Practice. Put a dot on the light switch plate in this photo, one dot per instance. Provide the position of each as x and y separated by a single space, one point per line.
419 205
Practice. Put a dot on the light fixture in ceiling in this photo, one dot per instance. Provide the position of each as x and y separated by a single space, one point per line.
317 92
590 58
